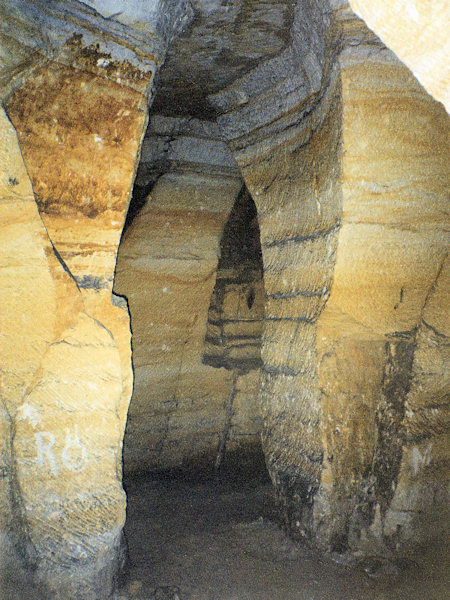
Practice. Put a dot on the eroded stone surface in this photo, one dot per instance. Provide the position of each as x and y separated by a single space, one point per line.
235 316
417 32
67 379
50 376
167 270
346 158
354 389
67 435
391 246
289 152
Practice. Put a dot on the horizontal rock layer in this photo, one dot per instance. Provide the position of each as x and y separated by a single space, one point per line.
346 158
182 410
66 373
391 246
418 34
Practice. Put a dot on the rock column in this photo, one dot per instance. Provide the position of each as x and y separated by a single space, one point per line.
76 103
382 328
286 138
349 175
167 268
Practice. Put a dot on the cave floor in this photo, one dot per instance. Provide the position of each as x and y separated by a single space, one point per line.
216 539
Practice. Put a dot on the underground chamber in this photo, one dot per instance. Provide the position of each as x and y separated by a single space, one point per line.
276 175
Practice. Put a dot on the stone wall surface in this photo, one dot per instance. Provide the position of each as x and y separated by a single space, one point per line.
417 31
345 286
285 132
65 145
392 242
76 114
233 335
346 158
423 475
167 264
61 388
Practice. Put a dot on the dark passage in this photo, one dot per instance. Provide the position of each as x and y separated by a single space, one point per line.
235 318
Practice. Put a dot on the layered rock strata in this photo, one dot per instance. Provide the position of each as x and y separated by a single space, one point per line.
346 158
76 94
63 428
184 410
283 123
418 34
233 335
342 152
392 244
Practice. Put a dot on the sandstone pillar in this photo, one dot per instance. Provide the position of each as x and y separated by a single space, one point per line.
191 318
167 269
350 195
77 97
286 140
382 479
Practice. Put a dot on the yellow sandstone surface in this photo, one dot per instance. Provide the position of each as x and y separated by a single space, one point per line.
417 31
66 354
167 268
370 337
334 348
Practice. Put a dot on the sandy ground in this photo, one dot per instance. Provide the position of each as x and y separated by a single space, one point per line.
217 539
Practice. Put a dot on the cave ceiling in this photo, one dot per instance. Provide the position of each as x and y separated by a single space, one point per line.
224 40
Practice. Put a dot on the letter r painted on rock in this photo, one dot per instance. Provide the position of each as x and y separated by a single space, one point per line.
44 443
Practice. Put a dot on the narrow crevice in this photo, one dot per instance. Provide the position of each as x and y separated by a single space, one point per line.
221 449
233 335
138 199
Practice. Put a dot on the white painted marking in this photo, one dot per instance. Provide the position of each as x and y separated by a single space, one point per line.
45 441
74 455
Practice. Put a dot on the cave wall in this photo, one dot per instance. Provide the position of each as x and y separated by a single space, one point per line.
189 406
75 94
393 243
345 156
285 132
65 380
417 33
235 315
348 174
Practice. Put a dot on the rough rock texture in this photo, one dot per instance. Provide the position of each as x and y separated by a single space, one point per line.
343 375
423 474
58 413
185 405
225 40
394 174
346 158
64 152
417 31
289 154
79 113
233 335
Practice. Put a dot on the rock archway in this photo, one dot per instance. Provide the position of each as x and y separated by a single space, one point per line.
181 252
